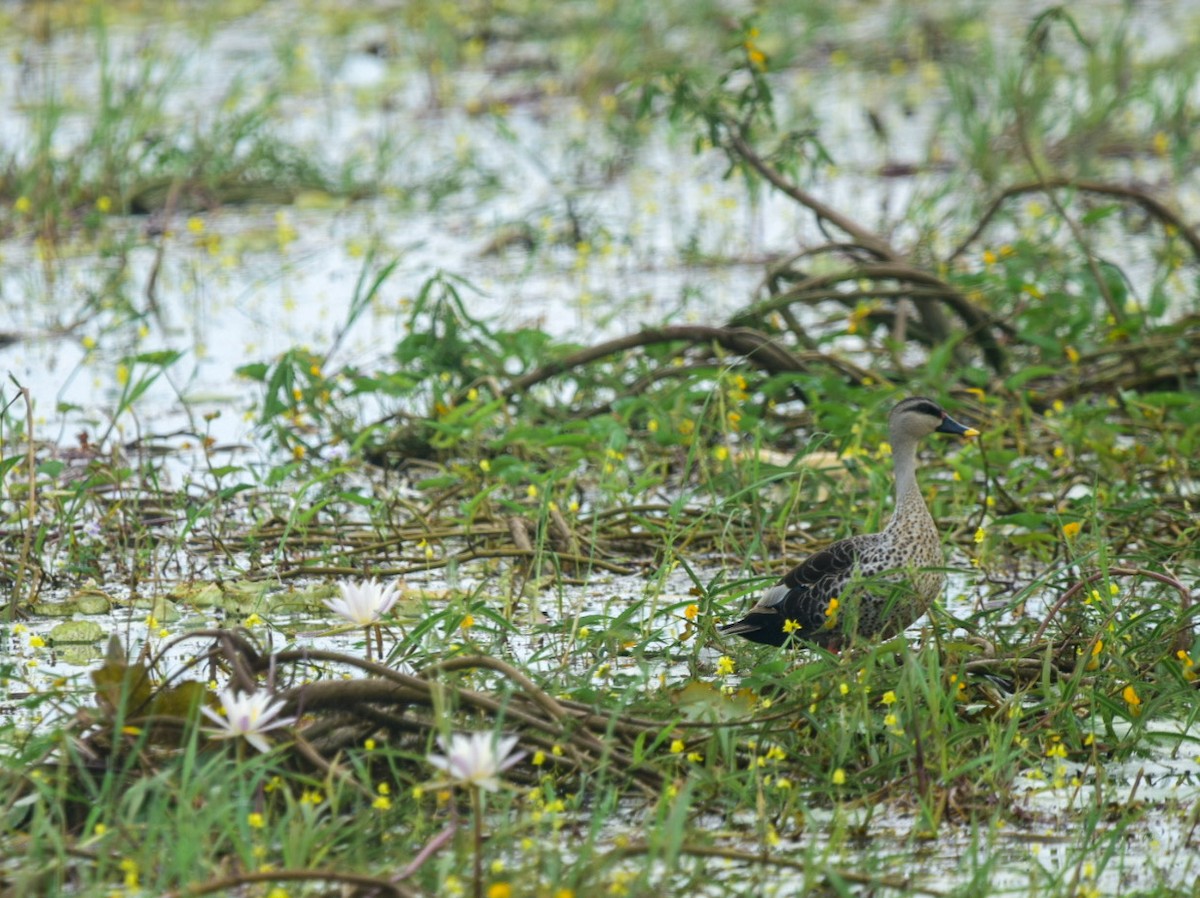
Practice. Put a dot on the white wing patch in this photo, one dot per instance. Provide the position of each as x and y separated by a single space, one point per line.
771 599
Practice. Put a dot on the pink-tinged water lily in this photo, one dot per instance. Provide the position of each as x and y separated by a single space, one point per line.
477 759
248 715
363 603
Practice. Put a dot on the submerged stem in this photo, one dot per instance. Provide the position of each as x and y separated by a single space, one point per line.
477 813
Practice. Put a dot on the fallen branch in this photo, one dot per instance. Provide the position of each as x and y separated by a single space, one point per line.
758 348
1185 597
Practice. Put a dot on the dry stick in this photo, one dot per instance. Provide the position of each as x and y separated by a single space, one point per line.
520 536
561 531
339 732
436 844
322 695
422 689
1151 205
915 294
229 884
777 269
979 324
990 483
1184 592
805 359
583 740
539 696
458 557
756 346
306 750
1003 664
151 291
931 314
798 330
636 726
753 857
380 670
1114 307
873 243
1171 367
470 697
544 700
532 692
30 507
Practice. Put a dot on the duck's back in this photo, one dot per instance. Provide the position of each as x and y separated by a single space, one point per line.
876 583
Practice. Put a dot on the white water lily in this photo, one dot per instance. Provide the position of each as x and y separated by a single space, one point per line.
477 759
363 603
248 715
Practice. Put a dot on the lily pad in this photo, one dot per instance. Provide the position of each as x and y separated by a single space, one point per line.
700 700
92 602
76 632
91 599
52 609
236 597
79 655
128 686
160 607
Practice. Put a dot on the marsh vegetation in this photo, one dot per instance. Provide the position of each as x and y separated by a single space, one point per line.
577 325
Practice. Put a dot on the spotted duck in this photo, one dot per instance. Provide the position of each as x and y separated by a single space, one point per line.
874 584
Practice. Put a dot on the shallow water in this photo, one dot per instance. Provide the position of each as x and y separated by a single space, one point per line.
276 278
1146 850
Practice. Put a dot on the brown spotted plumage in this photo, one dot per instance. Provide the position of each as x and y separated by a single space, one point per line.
875 584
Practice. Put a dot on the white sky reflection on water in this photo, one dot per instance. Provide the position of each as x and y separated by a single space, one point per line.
284 277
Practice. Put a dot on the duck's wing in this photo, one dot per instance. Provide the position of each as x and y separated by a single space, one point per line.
803 597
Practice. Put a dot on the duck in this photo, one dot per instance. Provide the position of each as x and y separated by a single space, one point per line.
872 585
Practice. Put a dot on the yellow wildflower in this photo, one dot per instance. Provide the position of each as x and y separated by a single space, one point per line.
1132 699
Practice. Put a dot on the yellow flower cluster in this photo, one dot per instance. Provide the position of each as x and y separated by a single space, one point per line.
831 614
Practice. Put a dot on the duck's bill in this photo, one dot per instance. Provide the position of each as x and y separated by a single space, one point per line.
949 425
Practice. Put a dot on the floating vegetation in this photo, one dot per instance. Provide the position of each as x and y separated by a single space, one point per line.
616 301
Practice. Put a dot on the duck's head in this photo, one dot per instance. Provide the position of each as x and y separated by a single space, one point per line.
917 417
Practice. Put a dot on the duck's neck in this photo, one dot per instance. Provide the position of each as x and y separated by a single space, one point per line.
904 463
